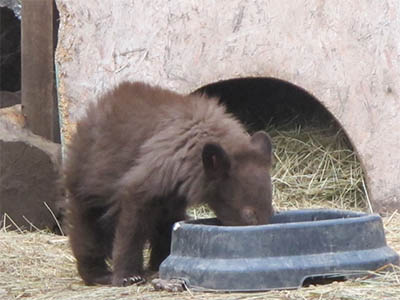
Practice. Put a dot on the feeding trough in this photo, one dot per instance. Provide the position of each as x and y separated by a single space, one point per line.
296 246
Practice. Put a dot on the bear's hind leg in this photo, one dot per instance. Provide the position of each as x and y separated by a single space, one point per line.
91 246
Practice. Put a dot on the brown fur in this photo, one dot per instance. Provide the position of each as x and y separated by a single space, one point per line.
139 157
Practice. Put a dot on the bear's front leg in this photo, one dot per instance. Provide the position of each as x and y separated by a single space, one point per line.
130 236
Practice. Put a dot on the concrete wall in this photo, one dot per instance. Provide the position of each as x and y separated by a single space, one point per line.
347 54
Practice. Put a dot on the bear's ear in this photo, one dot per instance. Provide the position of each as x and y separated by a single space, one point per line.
262 141
216 162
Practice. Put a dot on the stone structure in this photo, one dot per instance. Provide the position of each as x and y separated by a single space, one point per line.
346 54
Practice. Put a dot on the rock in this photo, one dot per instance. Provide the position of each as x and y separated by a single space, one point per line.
12 117
29 168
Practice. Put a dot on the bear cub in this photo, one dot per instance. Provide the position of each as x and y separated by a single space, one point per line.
140 156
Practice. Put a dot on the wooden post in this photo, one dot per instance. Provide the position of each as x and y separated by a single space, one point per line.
38 41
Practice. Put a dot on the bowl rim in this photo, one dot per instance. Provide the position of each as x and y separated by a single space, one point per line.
352 217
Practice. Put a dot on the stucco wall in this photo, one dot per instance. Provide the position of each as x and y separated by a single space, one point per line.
347 54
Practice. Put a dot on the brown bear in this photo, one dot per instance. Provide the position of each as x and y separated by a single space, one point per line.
139 157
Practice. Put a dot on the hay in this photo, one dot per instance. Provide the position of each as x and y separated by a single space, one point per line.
314 168
40 266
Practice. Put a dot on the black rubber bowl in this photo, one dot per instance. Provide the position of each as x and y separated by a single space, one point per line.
296 246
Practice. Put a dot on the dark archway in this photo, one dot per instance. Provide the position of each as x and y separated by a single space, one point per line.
259 101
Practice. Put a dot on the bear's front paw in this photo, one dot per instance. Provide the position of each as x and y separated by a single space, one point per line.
172 285
126 281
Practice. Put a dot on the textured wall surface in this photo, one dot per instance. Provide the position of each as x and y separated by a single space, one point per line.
347 54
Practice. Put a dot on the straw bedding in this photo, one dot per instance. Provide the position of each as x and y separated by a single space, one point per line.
314 167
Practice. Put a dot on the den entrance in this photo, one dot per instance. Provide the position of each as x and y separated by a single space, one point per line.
315 164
